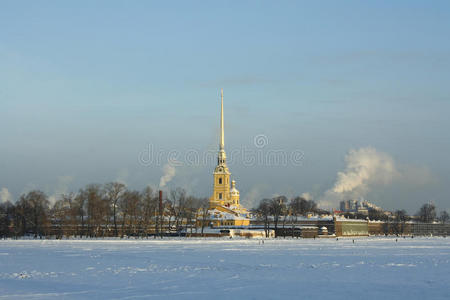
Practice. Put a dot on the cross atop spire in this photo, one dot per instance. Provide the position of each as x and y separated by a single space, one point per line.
222 137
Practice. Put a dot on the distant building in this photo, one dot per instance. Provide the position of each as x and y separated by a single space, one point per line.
362 207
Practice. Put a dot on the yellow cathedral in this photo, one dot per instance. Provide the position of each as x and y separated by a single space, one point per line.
224 204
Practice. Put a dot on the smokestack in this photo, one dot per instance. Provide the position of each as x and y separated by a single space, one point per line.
160 202
160 213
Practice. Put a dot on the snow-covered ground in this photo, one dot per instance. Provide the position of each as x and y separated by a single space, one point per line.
370 268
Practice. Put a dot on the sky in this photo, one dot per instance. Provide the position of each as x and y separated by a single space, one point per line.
100 91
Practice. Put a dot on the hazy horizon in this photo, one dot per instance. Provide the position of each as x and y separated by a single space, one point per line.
355 94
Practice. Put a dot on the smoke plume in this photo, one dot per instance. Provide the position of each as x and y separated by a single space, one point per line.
122 176
5 195
254 195
306 196
168 173
62 187
366 168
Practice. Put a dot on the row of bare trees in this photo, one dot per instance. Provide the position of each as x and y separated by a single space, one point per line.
101 210
114 210
281 210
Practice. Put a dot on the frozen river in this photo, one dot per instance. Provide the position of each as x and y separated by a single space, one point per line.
369 268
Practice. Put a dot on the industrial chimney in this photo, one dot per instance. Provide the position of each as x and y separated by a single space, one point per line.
160 213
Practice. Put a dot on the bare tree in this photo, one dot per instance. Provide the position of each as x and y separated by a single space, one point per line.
297 207
192 212
71 220
149 207
400 219
79 211
123 209
97 210
375 214
113 192
6 218
277 206
34 206
444 217
136 212
178 205
204 212
21 215
164 216
263 211
285 213
60 214
303 206
427 213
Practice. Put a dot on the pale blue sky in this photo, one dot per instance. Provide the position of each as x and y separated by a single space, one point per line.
85 86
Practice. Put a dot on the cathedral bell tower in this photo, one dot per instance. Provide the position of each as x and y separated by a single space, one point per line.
221 189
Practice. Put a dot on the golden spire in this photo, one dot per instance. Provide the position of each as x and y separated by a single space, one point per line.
222 138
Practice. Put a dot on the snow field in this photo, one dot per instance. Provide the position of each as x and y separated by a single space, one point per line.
369 268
